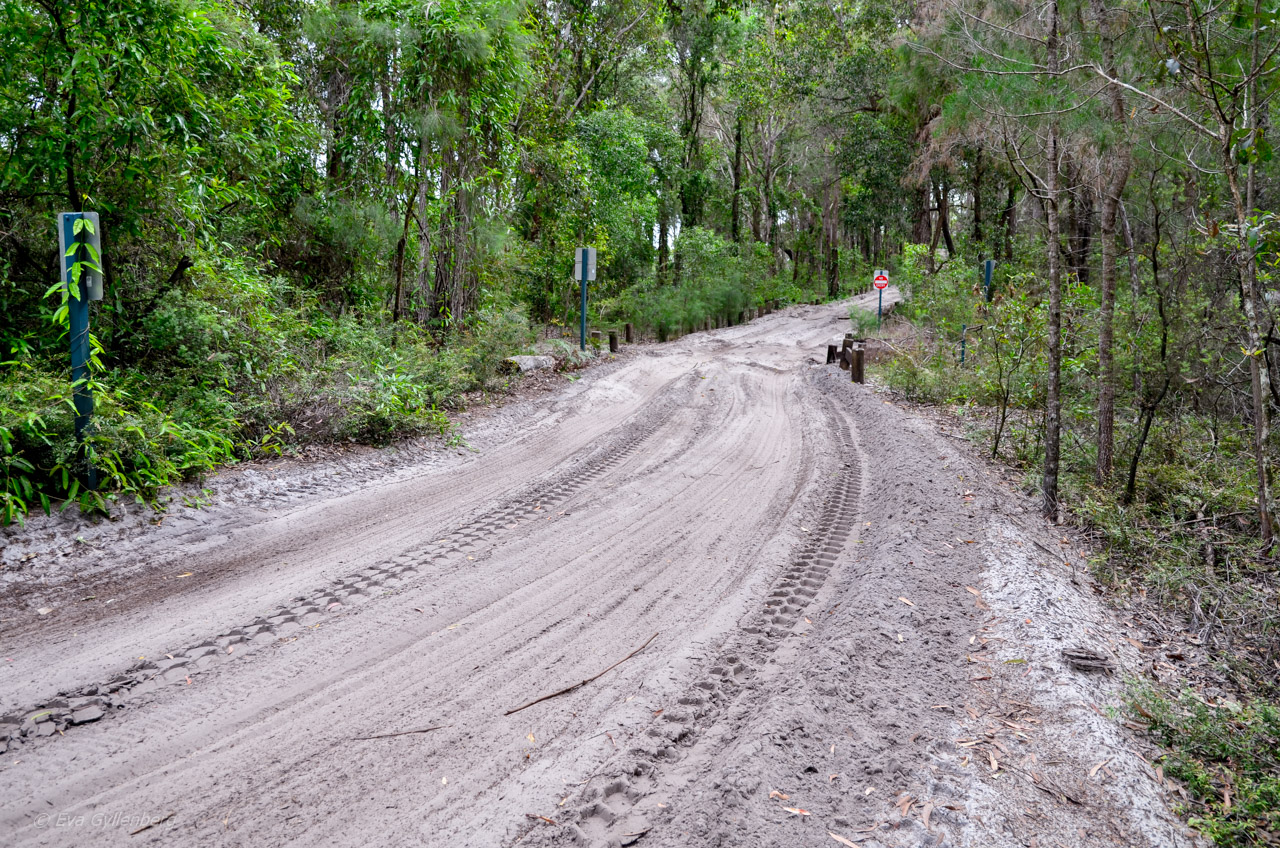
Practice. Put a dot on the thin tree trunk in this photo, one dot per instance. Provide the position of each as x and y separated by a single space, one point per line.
944 217
1119 164
977 205
1053 394
400 248
736 212
1009 219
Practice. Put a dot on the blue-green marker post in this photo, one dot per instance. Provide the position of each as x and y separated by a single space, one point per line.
583 254
988 268
963 327
81 249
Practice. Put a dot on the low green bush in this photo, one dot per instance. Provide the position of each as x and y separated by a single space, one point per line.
1227 755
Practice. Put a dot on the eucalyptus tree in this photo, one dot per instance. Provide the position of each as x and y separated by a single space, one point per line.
1217 69
1009 63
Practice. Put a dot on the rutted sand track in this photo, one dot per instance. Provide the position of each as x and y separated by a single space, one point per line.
715 491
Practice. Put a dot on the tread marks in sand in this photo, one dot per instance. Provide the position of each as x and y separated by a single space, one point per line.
606 811
539 500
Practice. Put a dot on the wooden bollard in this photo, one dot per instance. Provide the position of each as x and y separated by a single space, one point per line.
613 341
857 374
628 332
831 354
595 335
846 353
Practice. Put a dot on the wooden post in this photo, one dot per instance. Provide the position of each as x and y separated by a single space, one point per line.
595 335
628 332
831 354
613 341
856 370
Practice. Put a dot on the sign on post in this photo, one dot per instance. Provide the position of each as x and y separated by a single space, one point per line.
988 268
881 282
584 269
590 253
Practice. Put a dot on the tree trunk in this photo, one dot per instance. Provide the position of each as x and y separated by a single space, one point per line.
736 210
664 249
1053 394
944 217
1009 220
922 229
1119 164
977 205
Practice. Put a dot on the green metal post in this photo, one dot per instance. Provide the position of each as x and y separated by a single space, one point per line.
78 314
582 337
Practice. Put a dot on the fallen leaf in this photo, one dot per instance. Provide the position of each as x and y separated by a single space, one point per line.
842 840
1094 771
188 574
532 741
995 765
905 601
973 591
44 610
444 781
796 811
773 793
905 804
924 815
869 790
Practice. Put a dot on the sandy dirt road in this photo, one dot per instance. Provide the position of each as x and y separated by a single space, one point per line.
852 631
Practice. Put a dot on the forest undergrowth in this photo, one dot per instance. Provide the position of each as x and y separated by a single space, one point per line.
1174 528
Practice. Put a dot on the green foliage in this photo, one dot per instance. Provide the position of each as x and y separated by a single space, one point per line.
1226 756
863 322
716 280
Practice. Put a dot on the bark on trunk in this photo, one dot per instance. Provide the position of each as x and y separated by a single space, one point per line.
1119 165
1053 399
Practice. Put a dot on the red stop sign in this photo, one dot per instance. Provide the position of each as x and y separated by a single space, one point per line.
881 281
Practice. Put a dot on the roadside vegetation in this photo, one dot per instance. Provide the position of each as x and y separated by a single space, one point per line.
332 221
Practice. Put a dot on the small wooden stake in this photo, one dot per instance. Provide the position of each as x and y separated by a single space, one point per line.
613 341
628 332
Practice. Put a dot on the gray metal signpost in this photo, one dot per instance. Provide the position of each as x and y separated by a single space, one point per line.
584 269
80 245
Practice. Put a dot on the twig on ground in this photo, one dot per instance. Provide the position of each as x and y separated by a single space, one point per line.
580 684
403 732
153 824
